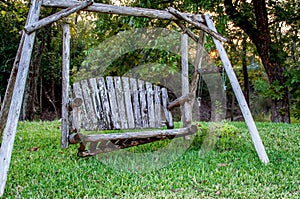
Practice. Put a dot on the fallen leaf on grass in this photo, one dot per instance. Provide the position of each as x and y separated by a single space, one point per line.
222 165
34 149
218 192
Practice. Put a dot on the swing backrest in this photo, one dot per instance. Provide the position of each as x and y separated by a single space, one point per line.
119 103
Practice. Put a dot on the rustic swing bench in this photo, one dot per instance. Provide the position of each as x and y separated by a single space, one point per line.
115 103
12 102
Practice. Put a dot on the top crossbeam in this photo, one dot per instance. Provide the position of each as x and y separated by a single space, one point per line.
196 20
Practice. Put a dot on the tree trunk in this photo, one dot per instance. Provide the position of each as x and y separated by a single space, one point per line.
259 34
245 71
272 64
31 94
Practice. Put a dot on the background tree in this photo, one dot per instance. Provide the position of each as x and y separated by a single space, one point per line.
269 47
272 27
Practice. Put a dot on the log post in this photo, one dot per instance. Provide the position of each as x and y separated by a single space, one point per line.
239 95
55 17
186 108
123 10
65 85
201 26
180 100
16 102
10 87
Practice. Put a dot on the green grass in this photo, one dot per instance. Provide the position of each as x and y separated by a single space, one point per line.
52 172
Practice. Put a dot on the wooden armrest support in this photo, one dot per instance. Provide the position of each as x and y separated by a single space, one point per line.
77 102
180 101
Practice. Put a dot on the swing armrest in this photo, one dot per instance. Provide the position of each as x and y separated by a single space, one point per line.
179 101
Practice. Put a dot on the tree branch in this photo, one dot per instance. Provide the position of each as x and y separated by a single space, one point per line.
240 20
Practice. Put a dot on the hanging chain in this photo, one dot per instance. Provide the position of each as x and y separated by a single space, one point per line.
224 79
199 91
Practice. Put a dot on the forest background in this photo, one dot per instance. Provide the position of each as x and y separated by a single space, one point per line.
263 47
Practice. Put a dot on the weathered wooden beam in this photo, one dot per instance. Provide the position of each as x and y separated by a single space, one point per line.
239 95
105 146
135 135
17 97
181 100
74 138
201 26
65 85
55 17
77 102
187 31
10 87
168 114
122 10
187 107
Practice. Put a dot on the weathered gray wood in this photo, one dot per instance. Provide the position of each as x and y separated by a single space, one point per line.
168 114
120 92
187 107
97 103
150 104
77 102
136 103
65 85
88 95
78 113
121 102
122 10
57 16
74 138
128 102
143 134
187 30
143 104
16 102
93 95
157 106
105 103
239 95
198 25
10 87
115 117
180 100
93 146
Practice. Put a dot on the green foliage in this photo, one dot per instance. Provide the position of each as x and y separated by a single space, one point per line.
222 136
294 86
12 19
274 91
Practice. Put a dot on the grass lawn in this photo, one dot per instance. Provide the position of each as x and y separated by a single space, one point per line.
41 169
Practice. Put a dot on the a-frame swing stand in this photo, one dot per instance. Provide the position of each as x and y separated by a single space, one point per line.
11 106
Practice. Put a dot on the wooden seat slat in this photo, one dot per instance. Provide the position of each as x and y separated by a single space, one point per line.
105 103
128 103
157 106
143 104
115 117
121 102
135 103
150 104
88 96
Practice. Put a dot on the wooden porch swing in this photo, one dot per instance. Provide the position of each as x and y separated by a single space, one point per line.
90 106
115 103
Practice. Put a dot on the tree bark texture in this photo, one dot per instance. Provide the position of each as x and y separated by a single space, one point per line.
260 35
245 72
